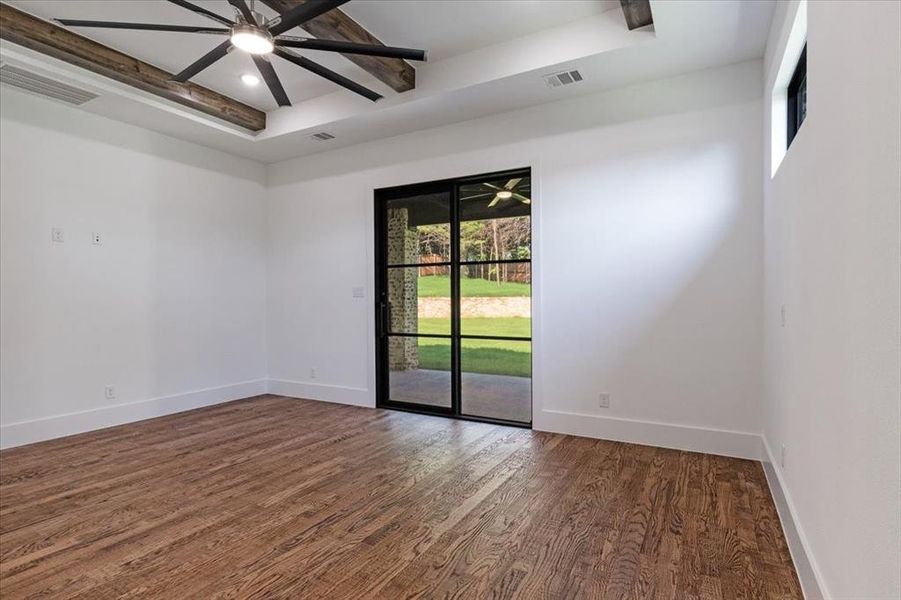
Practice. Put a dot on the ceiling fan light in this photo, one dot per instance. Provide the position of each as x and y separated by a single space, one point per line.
251 39
505 194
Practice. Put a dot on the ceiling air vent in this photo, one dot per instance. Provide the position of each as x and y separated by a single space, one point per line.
322 136
562 78
43 86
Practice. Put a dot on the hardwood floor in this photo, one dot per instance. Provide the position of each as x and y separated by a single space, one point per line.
282 498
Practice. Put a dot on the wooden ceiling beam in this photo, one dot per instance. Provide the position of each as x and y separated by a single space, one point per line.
637 12
335 25
42 36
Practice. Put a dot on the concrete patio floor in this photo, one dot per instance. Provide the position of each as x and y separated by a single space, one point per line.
491 396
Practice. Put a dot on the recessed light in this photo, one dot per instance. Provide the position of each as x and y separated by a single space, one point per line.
250 80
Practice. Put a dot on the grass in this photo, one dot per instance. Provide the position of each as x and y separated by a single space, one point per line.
504 327
438 286
494 357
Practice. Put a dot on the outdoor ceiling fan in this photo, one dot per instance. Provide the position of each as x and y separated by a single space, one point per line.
251 32
510 190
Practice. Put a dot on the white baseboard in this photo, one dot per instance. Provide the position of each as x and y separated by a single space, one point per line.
809 574
47 428
320 391
737 444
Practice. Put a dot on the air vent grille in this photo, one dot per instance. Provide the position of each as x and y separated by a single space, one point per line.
43 86
562 78
322 136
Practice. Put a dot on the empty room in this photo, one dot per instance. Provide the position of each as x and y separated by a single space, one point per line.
470 299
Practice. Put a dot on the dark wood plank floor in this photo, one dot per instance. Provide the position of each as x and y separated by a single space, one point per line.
281 498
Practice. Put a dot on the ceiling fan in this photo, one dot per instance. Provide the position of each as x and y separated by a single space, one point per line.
510 190
251 32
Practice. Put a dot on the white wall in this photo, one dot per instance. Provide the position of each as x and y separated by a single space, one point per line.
833 258
648 257
170 308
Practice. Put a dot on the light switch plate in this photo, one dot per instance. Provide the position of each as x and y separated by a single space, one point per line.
358 292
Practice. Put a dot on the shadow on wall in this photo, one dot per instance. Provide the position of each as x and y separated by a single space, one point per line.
15 105
687 93
670 321
170 303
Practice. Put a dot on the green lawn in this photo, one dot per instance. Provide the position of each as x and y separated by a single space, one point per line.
504 327
439 286
497 357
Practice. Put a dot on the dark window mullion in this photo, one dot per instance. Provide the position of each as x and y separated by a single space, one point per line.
418 265
456 379
440 336
500 338
496 262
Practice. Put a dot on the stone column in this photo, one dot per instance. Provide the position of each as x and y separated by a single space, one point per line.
403 294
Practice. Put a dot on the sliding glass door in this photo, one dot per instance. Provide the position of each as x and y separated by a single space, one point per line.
453 278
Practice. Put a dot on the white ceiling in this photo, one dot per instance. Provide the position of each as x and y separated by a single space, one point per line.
486 57
443 27
450 27
175 51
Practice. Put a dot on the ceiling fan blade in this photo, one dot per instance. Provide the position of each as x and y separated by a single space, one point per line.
302 13
522 198
204 61
202 11
325 73
244 10
351 48
492 186
275 86
141 26
495 201
477 196
512 183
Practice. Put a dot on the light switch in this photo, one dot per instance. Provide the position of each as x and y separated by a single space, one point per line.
358 292
57 235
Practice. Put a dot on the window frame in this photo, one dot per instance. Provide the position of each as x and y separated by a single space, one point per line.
382 330
798 81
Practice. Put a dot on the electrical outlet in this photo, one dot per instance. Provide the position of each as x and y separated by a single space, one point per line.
110 392
96 238
604 400
57 235
783 315
312 372
782 456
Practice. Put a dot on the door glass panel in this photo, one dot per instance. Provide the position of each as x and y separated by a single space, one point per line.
495 220
496 299
418 229
497 379
431 359
419 370
419 300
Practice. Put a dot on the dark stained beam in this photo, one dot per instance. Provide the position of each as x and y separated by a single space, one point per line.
335 25
42 36
638 13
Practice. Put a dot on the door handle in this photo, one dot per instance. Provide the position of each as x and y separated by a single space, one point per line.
383 319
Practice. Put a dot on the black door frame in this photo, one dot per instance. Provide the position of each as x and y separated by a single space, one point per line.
450 186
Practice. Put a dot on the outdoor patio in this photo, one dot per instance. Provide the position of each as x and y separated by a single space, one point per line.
492 396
